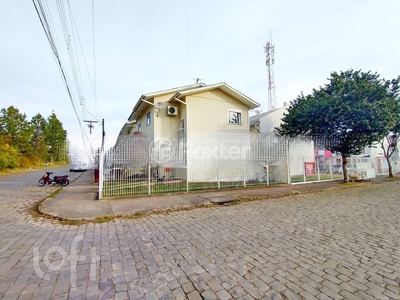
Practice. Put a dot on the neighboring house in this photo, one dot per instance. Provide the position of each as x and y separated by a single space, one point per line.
183 116
377 154
305 158
266 122
301 153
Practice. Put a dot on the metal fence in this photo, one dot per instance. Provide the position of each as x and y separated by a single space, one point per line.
381 166
83 157
137 165
320 167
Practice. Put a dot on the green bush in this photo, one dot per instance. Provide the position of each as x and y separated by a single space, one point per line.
8 157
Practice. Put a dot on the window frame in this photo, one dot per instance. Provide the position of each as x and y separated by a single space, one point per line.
232 111
182 124
148 118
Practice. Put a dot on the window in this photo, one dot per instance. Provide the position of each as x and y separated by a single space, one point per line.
182 124
139 127
148 120
234 117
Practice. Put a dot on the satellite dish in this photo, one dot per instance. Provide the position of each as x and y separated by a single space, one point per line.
159 105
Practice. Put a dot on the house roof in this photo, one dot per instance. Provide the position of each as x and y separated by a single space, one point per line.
170 91
127 127
221 86
144 100
256 118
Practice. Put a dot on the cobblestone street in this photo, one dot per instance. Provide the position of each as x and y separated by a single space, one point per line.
338 244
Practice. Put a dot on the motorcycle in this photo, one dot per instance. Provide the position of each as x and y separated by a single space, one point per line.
63 180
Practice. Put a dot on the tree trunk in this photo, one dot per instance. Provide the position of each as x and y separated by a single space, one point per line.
389 165
344 168
388 154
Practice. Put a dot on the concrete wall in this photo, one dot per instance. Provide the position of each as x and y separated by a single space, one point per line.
272 120
299 153
208 113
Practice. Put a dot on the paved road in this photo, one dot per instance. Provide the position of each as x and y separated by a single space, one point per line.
341 244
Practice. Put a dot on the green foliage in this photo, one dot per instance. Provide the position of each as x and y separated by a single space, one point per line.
24 143
352 111
55 137
8 157
16 129
39 125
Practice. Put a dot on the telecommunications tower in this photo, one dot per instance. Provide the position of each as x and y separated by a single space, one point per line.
269 50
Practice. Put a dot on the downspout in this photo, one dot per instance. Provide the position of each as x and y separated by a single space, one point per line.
187 173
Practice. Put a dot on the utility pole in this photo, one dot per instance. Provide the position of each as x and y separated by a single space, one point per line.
90 125
103 134
102 129
99 171
269 50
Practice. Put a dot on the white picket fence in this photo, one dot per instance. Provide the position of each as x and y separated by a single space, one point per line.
137 166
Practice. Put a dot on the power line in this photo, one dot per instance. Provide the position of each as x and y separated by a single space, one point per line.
45 25
70 48
93 85
72 39
77 68
73 26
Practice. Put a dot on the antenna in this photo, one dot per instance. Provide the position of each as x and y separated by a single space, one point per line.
269 50
197 79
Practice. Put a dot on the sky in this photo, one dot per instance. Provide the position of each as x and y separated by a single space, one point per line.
125 48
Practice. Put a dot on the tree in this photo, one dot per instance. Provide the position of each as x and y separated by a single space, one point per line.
16 131
56 137
38 137
353 111
392 140
24 143
8 156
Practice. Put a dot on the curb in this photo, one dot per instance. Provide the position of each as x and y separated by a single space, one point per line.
236 200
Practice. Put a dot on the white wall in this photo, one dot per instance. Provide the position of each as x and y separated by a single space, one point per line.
298 152
272 120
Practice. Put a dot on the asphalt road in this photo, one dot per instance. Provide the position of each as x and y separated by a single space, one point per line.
339 244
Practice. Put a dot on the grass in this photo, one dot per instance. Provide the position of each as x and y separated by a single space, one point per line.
35 212
391 178
53 194
300 178
121 189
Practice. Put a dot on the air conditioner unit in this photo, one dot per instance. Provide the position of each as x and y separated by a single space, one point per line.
172 110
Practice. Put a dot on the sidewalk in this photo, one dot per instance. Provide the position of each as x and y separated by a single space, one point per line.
78 200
